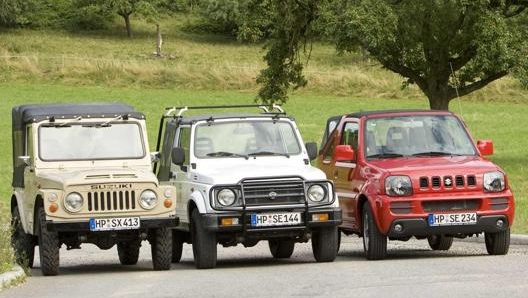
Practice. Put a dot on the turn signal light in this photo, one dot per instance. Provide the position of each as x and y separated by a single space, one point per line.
229 221
167 203
320 217
53 207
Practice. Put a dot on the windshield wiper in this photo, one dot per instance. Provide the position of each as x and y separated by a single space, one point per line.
433 153
385 155
226 154
268 153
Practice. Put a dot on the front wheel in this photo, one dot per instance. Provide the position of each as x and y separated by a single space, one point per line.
22 243
161 248
325 244
281 248
203 243
440 242
374 243
177 245
48 246
497 243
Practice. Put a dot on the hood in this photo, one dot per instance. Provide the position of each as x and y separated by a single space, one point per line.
230 174
60 179
435 165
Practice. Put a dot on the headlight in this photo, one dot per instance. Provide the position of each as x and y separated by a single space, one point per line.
316 193
398 186
226 197
494 182
148 199
73 202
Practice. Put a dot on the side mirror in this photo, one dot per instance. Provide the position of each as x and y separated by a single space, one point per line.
485 147
311 148
178 156
154 156
344 153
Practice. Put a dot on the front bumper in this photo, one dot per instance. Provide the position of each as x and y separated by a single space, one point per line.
213 223
84 226
402 228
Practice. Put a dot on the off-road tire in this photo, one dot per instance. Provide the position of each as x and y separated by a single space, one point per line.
440 242
281 248
48 246
177 245
374 243
497 243
325 244
128 252
161 248
23 244
203 243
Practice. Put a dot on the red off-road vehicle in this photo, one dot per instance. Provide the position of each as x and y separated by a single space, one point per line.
400 174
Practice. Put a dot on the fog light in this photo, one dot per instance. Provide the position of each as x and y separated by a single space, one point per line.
500 223
398 228
230 221
320 217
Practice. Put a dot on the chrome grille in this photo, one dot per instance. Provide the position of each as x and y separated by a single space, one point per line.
273 192
112 200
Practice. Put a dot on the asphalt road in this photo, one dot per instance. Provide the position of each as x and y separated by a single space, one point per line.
411 270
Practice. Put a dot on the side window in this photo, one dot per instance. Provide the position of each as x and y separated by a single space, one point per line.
350 135
184 140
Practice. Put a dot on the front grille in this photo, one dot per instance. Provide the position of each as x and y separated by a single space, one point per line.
273 192
112 200
456 181
450 205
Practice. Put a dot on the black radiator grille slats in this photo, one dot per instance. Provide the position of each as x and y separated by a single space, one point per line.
447 181
122 200
273 192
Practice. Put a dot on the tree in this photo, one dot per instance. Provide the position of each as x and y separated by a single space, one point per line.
447 48
125 8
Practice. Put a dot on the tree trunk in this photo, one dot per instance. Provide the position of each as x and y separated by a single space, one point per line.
437 102
127 24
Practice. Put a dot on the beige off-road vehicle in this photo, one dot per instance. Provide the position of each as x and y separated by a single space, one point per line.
82 174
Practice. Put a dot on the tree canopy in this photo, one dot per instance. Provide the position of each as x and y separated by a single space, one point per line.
447 48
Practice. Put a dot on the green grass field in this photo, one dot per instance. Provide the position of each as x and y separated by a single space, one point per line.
58 67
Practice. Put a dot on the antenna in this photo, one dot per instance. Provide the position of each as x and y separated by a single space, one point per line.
456 87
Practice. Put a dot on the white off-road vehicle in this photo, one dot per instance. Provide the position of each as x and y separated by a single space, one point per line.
82 173
242 178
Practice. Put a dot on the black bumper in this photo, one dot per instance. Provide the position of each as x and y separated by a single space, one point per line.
420 227
212 222
84 226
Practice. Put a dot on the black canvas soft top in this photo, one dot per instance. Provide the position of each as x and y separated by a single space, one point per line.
34 113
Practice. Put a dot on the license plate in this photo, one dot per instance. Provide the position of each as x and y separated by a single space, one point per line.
111 224
275 219
451 219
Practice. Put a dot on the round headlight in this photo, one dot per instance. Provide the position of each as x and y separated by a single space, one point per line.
398 186
148 199
494 181
226 197
316 193
73 202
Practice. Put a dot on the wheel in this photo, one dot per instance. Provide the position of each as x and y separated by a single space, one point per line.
177 245
325 244
338 240
48 246
23 244
203 243
374 243
497 243
161 248
440 242
128 252
281 248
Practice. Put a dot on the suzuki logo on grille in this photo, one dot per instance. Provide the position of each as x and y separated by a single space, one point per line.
448 181
272 195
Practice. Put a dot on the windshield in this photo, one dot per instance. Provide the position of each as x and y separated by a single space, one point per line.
245 138
90 141
416 136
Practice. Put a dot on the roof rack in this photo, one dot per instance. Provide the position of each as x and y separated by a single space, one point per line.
266 109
